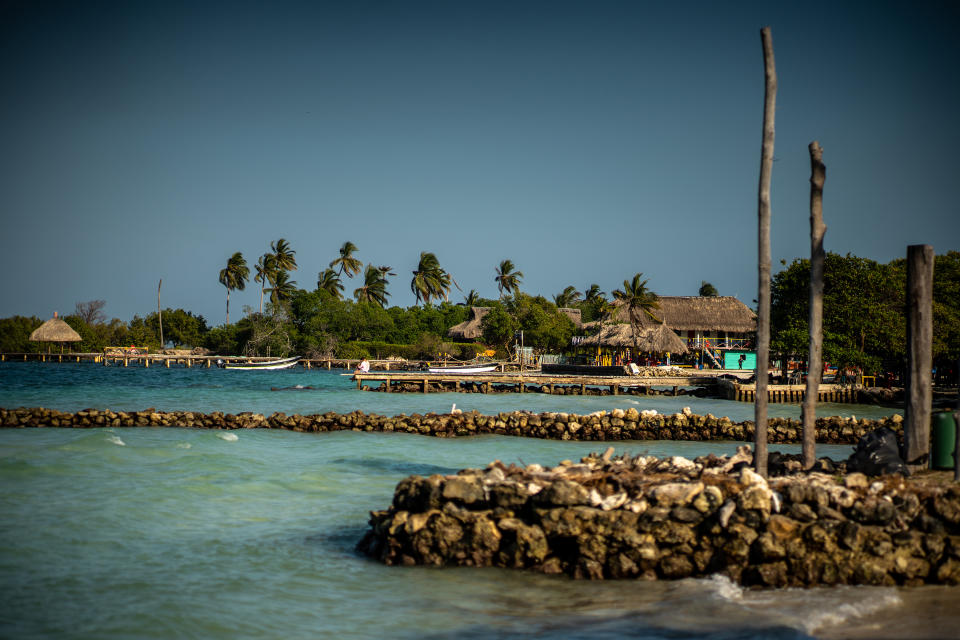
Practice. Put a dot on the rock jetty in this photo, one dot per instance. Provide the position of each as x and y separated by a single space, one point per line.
650 518
618 424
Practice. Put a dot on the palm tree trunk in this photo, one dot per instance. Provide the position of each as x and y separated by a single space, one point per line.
261 298
228 305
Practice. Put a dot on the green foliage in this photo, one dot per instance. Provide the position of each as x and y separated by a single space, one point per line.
15 334
498 327
568 297
346 263
544 327
374 289
508 279
98 335
707 289
863 311
180 327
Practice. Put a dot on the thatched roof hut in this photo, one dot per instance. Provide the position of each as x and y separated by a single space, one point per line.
470 329
55 330
698 313
573 314
651 339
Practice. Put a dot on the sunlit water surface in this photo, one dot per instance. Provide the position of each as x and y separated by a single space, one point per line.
174 532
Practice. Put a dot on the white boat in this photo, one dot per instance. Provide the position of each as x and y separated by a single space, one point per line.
470 368
268 365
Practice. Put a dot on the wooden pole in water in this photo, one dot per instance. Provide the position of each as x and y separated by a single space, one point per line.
763 293
160 314
919 392
818 175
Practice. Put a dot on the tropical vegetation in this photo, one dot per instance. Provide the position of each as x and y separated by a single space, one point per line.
864 321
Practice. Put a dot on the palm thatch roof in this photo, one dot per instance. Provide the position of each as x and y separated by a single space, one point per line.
698 313
573 314
55 330
470 329
657 338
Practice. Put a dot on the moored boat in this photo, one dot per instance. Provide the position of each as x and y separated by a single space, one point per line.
461 369
267 365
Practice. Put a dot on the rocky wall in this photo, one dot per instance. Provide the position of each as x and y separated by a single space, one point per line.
653 518
614 425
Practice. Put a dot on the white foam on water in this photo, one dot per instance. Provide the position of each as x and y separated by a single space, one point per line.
184 445
117 441
229 437
724 588
827 616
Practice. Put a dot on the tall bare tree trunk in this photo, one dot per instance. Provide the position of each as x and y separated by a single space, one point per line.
160 313
818 175
763 295
919 391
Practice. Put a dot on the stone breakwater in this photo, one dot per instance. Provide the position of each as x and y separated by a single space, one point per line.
653 518
613 425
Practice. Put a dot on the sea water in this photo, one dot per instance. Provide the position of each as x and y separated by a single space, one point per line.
187 533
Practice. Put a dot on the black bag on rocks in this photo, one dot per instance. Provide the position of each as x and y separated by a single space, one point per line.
878 453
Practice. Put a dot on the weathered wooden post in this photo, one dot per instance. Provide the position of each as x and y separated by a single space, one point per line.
818 174
919 392
763 294
160 313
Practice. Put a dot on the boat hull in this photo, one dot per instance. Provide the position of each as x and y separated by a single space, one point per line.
464 370
271 365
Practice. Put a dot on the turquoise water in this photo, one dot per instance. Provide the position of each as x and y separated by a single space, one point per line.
71 387
139 533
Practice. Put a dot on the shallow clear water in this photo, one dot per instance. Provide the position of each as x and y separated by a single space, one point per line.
174 532
71 387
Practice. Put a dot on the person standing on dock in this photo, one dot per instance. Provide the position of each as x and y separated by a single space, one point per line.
364 366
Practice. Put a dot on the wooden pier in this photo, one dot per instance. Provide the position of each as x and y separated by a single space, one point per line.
532 382
731 389
394 376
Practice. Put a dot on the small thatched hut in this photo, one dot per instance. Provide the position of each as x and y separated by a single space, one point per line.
652 339
573 314
698 316
470 329
55 330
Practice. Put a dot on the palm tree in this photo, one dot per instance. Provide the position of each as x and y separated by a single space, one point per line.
593 294
234 276
472 298
283 255
266 268
346 260
508 279
707 289
283 288
374 287
430 280
329 281
638 300
567 297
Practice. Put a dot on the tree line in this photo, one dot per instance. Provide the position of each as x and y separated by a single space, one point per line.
864 319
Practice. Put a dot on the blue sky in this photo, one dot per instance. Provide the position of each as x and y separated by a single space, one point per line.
586 141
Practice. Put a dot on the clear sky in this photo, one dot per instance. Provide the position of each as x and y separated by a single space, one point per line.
585 141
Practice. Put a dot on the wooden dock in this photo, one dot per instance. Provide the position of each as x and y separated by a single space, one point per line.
532 382
731 389
393 377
